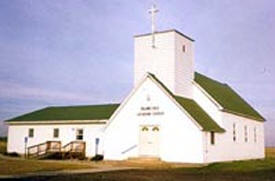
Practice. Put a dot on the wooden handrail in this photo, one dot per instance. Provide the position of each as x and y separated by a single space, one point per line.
71 145
43 144
67 145
74 147
48 146
55 147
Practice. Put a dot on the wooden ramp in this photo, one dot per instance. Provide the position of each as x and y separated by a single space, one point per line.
54 150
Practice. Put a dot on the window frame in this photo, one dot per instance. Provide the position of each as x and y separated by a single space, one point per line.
79 134
31 132
56 133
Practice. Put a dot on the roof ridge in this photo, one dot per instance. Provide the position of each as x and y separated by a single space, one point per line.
92 112
84 105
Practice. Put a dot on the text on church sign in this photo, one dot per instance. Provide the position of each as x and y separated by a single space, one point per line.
150 111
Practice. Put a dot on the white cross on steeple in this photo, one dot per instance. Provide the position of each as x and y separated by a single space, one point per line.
153 10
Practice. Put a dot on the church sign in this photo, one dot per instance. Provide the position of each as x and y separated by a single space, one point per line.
150 111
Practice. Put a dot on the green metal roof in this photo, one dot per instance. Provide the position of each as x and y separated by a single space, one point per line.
222 93
194 110
93 112
202 118
227 97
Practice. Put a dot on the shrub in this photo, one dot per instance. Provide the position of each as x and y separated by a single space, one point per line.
4 139
3 147
12 154
97 158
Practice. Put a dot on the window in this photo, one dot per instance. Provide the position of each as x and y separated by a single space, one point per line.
31 133
55 132
234 132
212 137
255 135
183 48
155 129
144 129
245 134
79 134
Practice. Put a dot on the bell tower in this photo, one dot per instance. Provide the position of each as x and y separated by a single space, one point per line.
169 55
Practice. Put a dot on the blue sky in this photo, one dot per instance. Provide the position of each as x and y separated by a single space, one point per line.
71 52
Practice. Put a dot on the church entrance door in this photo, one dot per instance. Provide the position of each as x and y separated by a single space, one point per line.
149 140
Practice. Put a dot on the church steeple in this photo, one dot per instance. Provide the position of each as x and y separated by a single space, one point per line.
171 61
169 55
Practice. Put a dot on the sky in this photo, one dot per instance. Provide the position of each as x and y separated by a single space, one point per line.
75 52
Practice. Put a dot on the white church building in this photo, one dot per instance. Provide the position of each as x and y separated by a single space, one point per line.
172 113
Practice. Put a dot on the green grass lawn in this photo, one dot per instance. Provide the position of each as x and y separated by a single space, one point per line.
9 166
241 166
257 170
19 166
244 166
251 170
